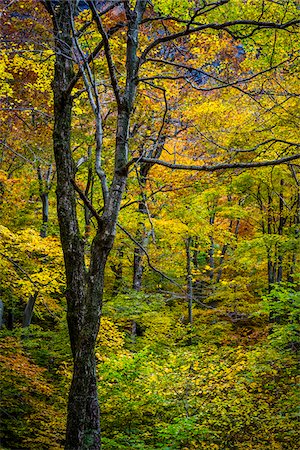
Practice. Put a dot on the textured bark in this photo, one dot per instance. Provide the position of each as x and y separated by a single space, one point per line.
84 287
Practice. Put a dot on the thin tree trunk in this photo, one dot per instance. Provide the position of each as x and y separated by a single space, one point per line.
117 270
211 251
296 221
142 236
195 253
44 189
45 205
10 319
271 279
28 312
280 232
138 267
87 213
1 313
189 278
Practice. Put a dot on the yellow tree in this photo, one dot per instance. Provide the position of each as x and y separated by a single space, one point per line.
26 100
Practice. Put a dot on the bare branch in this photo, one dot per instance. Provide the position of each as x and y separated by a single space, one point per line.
17 154
217 26
108 55
223 84
216 167
19 268
198 12
94 53
87 203
148 258
90 85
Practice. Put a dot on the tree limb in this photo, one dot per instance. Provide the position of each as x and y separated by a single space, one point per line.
108 55
216 26
216 167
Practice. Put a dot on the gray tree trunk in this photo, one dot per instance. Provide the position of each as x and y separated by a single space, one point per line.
1 313
28 312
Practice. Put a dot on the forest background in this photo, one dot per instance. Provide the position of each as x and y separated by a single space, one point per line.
200 319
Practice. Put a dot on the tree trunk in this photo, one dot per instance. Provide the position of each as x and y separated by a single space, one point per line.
271 269
85 286
83 424
1 313
141 233
45 205
211 251
84 293
138 267
142 236
281 224
83 427
189 290
10 319
225 248
117 270
28 312
44 189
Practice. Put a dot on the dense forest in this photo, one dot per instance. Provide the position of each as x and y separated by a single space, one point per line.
150 177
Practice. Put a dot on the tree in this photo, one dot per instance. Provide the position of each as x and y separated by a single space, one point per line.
120 29
25 99
31 272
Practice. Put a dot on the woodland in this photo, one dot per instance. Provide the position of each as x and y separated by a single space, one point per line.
150 178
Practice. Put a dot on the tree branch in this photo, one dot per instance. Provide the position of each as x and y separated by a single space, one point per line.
148 258
216 26
90 84
223 84
87 203
108 55
94 53
216 167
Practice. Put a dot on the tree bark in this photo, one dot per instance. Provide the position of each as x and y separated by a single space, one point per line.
117 269
138 267
83 301
27 316
44 189
189 290
1 313
45 205
85 286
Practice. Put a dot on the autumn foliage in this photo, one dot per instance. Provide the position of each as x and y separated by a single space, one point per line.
199 336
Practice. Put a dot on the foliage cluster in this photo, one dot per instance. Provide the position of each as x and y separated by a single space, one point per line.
234 387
